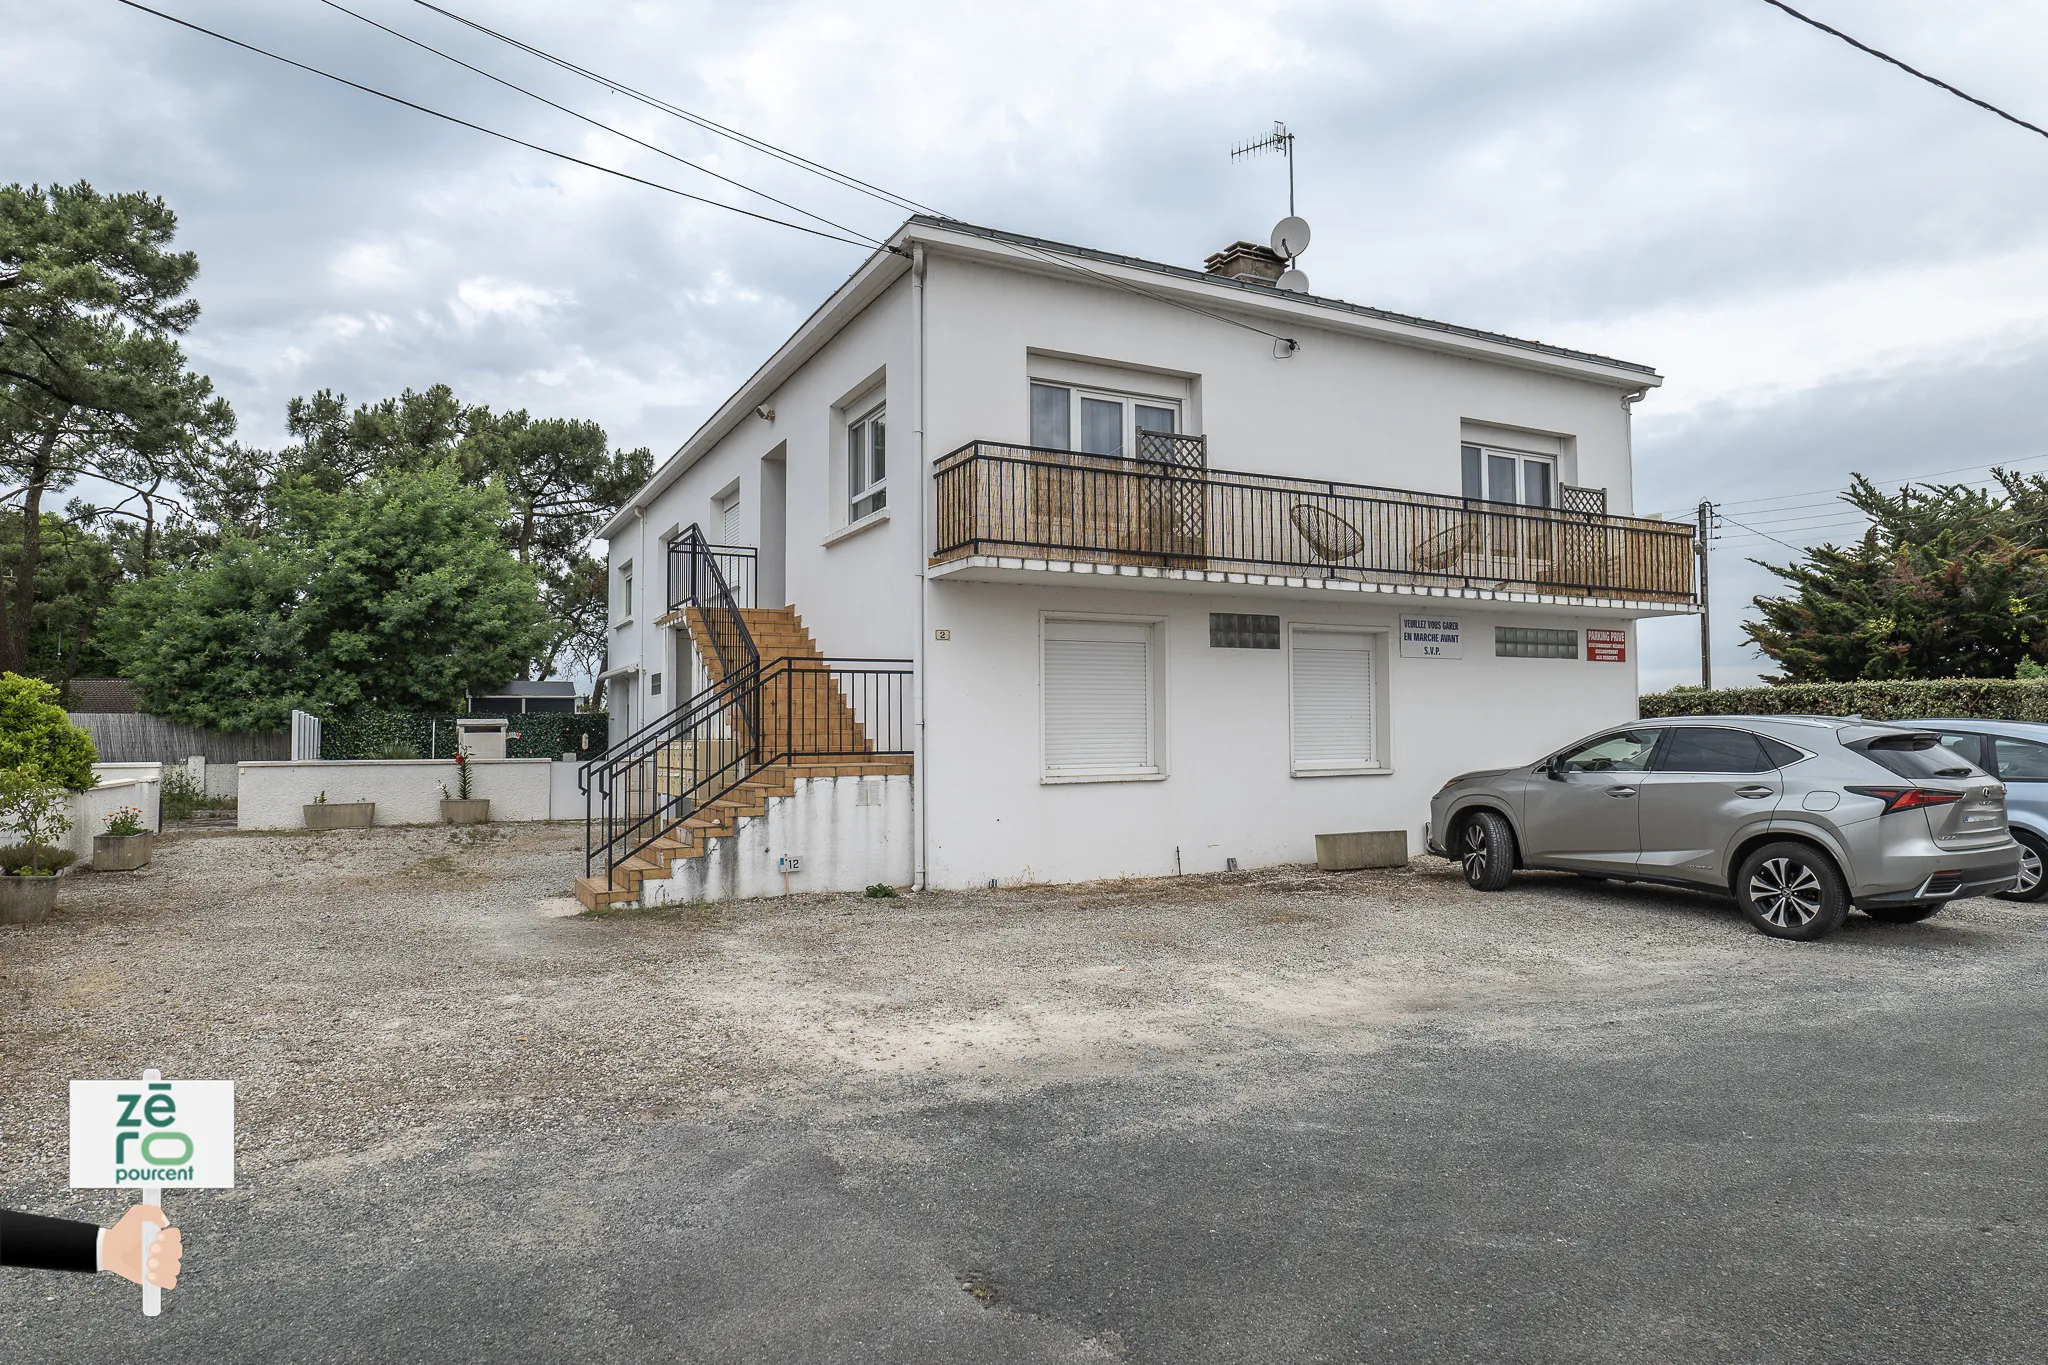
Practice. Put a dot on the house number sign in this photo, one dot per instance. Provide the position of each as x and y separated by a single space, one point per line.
1431 637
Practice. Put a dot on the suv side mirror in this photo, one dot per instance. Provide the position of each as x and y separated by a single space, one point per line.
1553 768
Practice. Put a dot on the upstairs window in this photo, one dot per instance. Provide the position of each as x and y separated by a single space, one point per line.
1509 476
1094 423
867 465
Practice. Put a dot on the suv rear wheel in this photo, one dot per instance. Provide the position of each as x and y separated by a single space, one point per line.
1487 849
1792 891
2033 862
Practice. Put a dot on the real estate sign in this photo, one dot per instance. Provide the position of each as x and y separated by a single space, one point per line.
151 1132
1431 637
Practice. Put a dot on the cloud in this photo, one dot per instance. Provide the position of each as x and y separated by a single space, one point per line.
1836 266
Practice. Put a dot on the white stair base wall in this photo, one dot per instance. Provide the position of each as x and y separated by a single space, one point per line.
851 833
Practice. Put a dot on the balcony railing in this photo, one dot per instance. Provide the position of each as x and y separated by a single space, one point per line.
1174 513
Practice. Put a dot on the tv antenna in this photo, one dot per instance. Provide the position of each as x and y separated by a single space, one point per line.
1290 234
1279 140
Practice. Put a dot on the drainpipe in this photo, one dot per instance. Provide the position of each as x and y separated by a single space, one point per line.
920 789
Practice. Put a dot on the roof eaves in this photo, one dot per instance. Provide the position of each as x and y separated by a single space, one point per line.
1266 294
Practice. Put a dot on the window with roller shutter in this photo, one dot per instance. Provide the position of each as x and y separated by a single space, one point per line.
1333 701
1100 689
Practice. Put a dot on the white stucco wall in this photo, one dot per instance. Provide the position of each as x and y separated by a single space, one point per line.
1347 407
1344 407
851 833
1228 790
407 792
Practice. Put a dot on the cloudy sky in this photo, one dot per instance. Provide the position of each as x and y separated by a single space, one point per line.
1837 267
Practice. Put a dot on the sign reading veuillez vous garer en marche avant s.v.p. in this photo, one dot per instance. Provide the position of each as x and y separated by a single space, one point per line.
1431 637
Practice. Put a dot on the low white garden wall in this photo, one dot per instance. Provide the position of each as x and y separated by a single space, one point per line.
120 784
851 832
407 791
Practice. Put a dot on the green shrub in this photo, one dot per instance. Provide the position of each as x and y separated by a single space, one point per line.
881 891
540 734
179 795
20 860
397 749
38 739
1978 698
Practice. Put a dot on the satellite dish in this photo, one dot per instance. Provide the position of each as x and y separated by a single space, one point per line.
1290 236
1294 281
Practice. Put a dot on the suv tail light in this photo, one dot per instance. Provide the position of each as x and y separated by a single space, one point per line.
1907 798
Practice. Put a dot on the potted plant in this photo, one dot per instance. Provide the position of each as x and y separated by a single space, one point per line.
462 808
324 814
127 844
36 810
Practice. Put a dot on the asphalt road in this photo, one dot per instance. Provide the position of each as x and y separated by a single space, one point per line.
1742 1152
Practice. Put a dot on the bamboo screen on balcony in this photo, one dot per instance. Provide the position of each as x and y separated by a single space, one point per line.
1176 513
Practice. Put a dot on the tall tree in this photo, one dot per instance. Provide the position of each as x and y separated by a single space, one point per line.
560 477
1948 582
396 593
92 379
75 579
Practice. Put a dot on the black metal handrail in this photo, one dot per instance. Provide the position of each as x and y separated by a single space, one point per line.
1021 501
789 709
738 565
697 577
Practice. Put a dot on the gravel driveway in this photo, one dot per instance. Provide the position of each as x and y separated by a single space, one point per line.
1269 1116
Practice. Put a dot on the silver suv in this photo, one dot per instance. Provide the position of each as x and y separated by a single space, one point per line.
1798 816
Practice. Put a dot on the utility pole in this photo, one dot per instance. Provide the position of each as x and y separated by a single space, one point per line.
1706 514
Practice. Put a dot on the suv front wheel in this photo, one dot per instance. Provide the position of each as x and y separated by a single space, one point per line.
1792 891
1486 847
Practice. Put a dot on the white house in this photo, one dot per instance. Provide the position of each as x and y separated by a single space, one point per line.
1165 567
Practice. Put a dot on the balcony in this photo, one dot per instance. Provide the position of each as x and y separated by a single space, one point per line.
1007 512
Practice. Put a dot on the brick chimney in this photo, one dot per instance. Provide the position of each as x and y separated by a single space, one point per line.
1246 261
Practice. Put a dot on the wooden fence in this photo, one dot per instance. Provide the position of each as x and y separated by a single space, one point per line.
136 738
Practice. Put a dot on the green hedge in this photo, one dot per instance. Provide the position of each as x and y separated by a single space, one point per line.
1982 698
539 734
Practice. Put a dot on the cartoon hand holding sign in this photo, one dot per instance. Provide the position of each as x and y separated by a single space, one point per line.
142 1136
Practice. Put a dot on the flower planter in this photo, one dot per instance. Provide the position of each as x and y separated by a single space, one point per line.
474 811
121 852
340 814
26 900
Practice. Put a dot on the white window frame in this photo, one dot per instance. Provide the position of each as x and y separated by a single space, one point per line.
1522 460
1156 656
1131 403
625 581
856 492
1377 638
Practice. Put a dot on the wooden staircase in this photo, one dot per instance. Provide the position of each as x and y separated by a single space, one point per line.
807 715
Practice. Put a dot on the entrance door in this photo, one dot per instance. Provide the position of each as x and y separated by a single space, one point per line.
1708 783
1584 817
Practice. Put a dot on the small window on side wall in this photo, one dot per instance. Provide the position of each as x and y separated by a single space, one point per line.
867 466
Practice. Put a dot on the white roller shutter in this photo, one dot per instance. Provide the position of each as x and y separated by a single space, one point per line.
734 530
1335 715
1098 681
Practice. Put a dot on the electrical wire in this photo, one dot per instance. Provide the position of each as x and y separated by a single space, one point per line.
1788 545
839 177
676 111
490 132
1774 503
1911 71
606 127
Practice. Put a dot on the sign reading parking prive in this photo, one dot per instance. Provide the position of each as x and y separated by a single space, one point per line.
132 1134
1431 637
1607 646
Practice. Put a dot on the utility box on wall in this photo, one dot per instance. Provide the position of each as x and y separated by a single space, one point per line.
482 736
